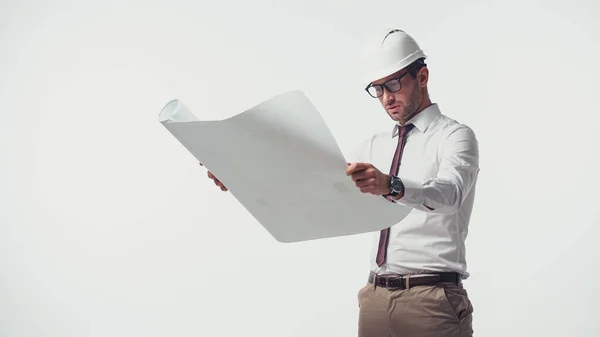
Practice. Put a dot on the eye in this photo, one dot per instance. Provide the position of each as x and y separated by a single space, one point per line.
393 85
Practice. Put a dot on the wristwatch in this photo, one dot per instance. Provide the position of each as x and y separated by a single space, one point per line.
396 187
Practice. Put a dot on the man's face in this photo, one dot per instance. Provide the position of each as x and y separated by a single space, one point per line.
403 104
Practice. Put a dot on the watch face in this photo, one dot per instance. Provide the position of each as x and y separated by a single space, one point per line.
396 185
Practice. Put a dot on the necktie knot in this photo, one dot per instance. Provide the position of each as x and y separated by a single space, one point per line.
404 130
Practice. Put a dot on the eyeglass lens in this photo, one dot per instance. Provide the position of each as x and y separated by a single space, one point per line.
391 86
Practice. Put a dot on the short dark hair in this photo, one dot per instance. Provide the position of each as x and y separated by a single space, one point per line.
416 66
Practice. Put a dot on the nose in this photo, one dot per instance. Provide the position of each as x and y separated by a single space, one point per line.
387 96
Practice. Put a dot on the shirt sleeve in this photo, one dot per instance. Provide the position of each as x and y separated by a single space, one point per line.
456 176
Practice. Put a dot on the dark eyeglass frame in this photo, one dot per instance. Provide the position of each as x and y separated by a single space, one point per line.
385 85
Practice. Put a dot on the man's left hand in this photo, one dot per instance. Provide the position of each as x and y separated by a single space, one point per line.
368 178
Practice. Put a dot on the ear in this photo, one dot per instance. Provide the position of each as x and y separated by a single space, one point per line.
423 77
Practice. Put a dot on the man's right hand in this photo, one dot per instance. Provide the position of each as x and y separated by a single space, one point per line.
217 181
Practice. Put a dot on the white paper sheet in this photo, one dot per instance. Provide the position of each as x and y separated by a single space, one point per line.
281 162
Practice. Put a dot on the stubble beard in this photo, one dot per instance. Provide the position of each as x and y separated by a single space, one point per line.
412 106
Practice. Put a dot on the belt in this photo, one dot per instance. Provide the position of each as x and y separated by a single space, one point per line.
408 281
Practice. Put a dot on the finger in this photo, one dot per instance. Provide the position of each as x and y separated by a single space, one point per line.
355 167
363 175
366 173
368 189
200 164
210 175
220 184
363 183
364 190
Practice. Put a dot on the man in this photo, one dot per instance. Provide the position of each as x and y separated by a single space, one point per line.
430 163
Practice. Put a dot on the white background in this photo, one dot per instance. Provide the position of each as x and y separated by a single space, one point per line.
108 226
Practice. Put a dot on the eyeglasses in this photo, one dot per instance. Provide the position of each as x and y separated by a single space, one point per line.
393 85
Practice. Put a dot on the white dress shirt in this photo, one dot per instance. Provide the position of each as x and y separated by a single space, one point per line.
439 168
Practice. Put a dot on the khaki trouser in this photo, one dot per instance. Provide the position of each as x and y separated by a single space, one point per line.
421 311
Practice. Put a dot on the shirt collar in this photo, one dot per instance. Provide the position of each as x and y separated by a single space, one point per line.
422 120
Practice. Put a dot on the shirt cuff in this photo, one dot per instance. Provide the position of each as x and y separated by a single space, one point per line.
413 192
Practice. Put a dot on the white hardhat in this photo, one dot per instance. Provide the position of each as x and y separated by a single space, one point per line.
389 54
